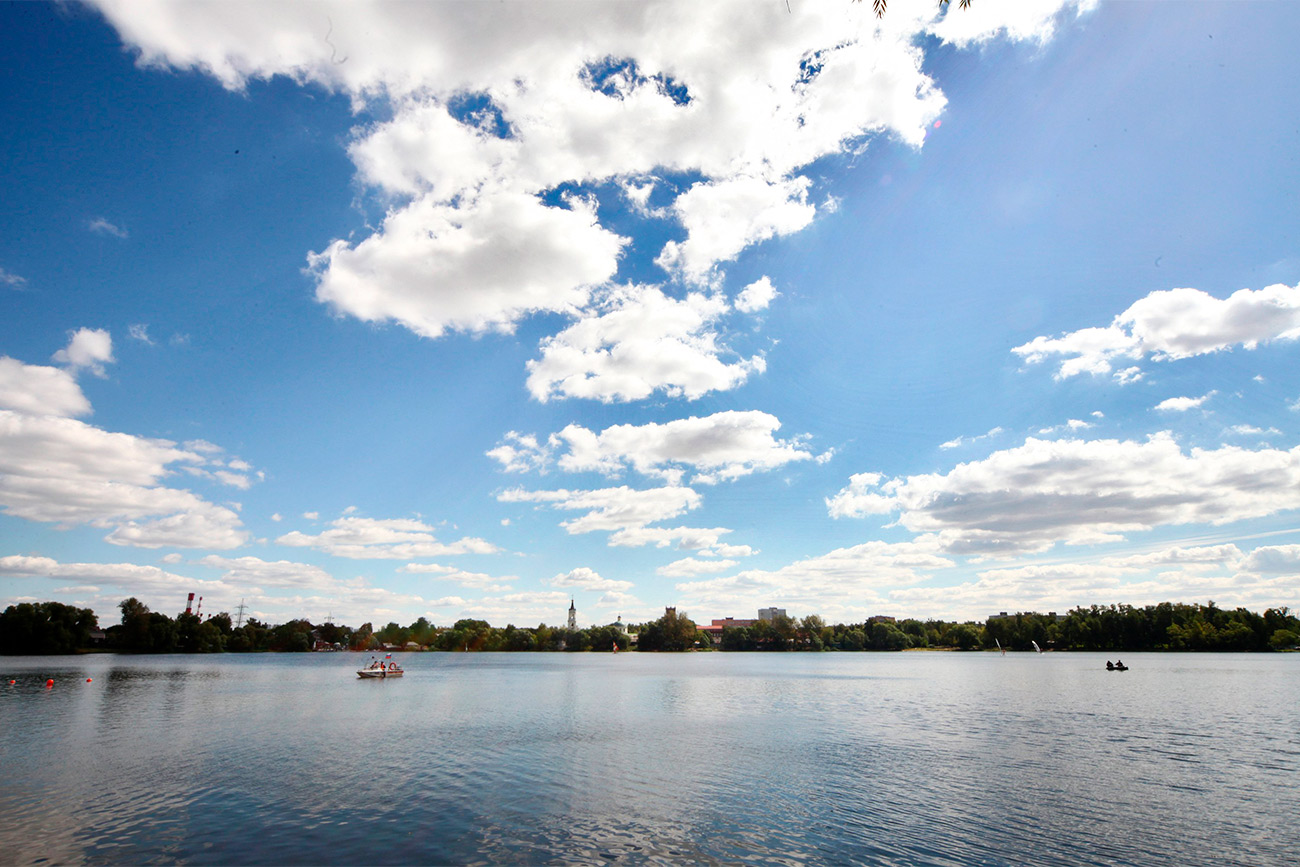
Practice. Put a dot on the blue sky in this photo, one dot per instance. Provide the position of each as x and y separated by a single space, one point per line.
388 310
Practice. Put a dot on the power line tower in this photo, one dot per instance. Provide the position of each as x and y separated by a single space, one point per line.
239 617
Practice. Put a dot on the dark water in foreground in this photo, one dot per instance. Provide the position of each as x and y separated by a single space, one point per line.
914 758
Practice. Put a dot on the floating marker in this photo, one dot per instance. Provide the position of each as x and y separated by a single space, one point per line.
49 683
87 680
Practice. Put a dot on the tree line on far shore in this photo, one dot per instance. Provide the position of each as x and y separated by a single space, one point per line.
53 628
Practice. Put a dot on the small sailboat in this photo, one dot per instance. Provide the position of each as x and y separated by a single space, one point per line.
1000 647
1036 647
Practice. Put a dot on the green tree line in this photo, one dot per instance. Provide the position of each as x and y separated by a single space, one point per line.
52 627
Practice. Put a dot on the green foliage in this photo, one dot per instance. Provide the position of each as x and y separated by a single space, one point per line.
672 632
45 628
1167 626
50 627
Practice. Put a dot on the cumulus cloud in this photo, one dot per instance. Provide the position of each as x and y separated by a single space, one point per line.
689 567
724 217
1174 324
835 583
756 296
475 266
256 572
64 471
1183 404
703 540
383 539
611 509
583 578
492 110
39 390
1031 497
477 580
723 446
139 579
1209 573
520 453
87 349
637 341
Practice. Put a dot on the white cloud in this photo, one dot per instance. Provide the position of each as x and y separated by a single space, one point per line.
704 540
583 578
839 583
526 608
636 341
39 390
1192 575
960 441
256 572
1026 20
13 281
140 331
101 226
1183 404
724 217
137 579
88 349
384 539
1249 430
1273 560
479 266
64 471
611 509
478 580
520 453
1078 492
756 296
493 108
1174 324
689 567
723 446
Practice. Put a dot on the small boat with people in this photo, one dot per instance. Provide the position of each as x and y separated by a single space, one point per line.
381 668
1117 665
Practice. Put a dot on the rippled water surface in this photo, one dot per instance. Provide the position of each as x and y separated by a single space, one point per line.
912 758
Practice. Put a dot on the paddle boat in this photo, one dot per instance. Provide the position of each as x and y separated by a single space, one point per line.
381 669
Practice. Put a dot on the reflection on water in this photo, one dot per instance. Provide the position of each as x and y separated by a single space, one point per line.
916 758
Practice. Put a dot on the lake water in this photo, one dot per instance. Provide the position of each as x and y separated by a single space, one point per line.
905 758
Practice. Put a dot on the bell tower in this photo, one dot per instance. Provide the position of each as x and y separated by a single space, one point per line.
573 617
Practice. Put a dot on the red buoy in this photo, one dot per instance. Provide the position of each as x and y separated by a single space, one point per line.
87 680
49 683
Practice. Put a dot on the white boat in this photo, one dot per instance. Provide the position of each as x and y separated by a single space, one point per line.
381 669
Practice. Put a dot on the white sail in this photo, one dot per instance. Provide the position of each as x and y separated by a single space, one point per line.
1036 647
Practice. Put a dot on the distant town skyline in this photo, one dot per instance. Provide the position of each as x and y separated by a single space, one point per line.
444 310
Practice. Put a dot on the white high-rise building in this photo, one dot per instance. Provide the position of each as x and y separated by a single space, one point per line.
770 613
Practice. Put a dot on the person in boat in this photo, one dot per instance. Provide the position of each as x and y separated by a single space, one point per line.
1120 666
1110 666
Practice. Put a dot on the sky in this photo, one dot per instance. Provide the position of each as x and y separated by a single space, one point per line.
370 311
